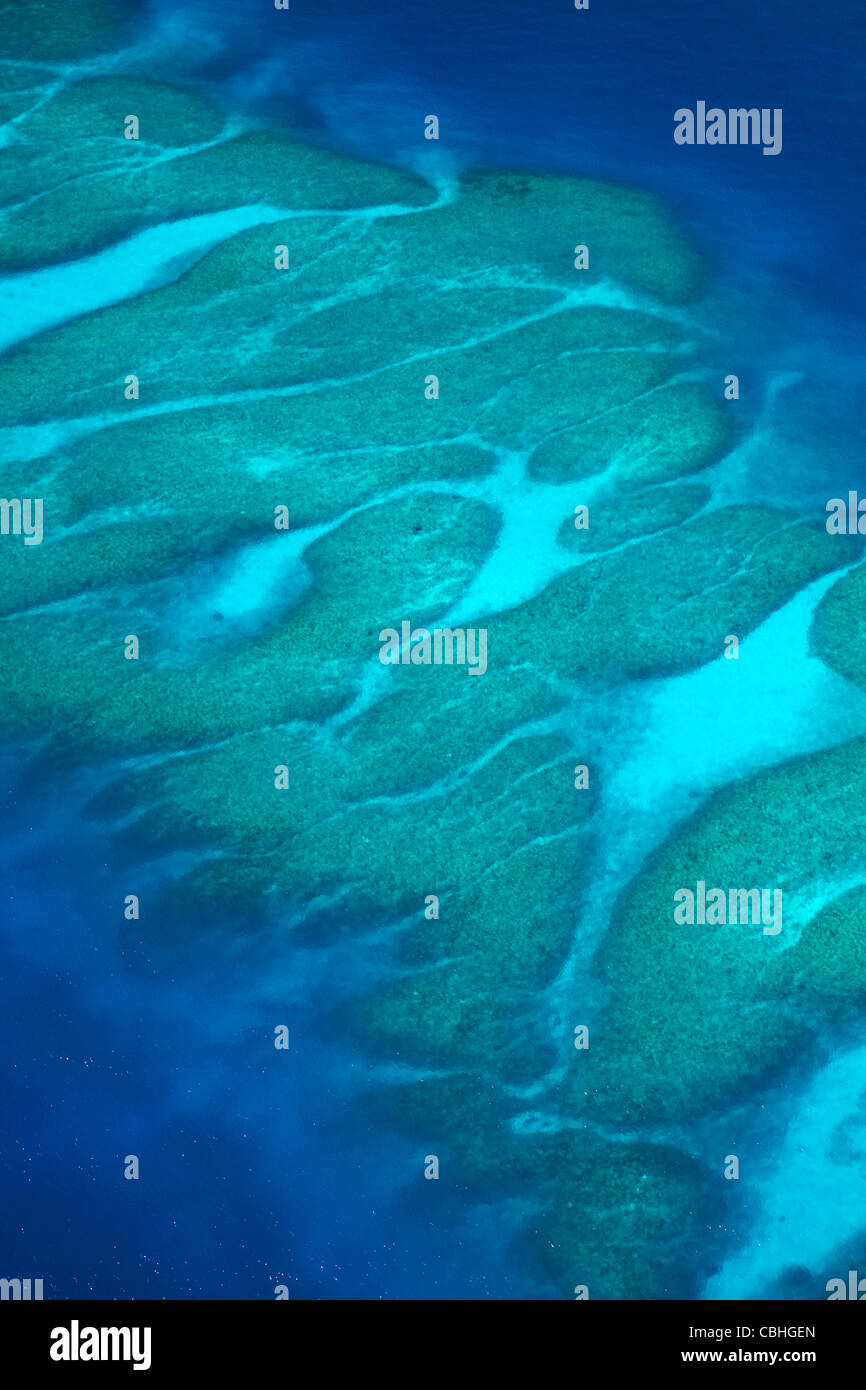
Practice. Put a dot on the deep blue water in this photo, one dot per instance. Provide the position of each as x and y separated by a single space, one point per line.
254 1180
544 86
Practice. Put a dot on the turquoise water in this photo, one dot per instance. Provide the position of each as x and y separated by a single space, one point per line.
304 388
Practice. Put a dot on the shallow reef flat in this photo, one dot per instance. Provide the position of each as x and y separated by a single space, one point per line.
826 968
20 88
279 335
311 388
495 224
624 1219
659 436
697 1012
34 30
667 603
838 632
132 502
73 183
639 1222
378 561
648 511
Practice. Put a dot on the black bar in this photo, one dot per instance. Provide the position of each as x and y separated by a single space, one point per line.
226 1338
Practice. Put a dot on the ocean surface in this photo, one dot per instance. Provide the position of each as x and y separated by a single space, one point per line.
154 1037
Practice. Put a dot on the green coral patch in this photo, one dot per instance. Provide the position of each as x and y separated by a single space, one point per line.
21 88
453 720
622 1199
721 573
79 130
697 1010
482 843
599 1202
425 732
838 632
425 845
530 224
378 562
222 486
38 29
829 958
617 519
119 553
87 185
499 937
675 430
267 332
